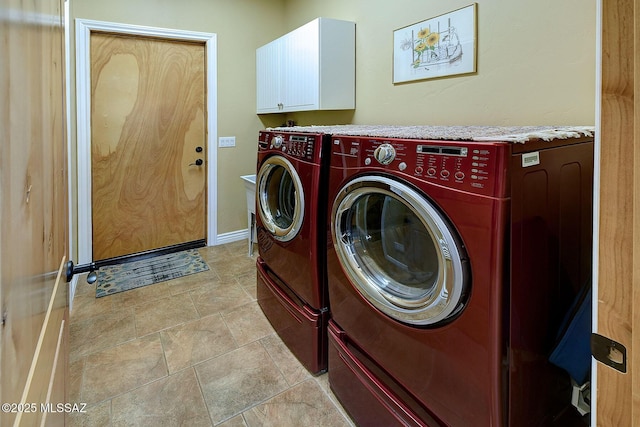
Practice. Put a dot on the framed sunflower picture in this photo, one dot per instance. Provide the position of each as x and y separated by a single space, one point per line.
438 47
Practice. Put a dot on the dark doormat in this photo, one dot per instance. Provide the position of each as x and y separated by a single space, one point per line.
113 279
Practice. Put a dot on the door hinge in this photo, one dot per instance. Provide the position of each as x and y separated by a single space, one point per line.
609 352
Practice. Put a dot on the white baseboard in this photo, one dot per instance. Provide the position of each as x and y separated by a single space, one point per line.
72 291
232 236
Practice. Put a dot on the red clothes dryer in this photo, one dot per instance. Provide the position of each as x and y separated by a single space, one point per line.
291 201
450 268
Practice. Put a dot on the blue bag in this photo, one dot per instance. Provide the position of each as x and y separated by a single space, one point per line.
573 350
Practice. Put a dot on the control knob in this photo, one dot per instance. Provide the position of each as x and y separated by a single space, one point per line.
385 154
278 141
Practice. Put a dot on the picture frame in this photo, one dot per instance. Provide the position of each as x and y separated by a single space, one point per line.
441 46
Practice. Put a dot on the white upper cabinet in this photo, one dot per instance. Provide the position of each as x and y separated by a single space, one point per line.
310 68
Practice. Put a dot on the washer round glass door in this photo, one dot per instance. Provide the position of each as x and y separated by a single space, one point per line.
280 198
398 251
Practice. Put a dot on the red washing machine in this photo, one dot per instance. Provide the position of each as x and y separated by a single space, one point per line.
450 267
291 201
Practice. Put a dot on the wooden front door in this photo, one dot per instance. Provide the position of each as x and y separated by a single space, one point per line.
148 143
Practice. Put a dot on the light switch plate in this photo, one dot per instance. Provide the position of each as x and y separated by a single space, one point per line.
227 141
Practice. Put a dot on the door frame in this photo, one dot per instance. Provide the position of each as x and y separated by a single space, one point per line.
83 120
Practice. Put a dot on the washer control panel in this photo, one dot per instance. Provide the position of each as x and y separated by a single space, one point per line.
441 161
477 167
296 145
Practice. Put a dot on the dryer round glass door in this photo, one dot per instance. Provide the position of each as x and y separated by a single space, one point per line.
280 198
398 251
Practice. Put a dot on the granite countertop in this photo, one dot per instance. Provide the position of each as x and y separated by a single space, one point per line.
517 134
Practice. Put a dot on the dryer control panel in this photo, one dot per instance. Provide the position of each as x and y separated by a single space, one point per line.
298 145
477 167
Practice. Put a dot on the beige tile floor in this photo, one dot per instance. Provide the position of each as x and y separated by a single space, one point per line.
195 351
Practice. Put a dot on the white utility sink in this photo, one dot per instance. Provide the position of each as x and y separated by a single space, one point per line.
250 187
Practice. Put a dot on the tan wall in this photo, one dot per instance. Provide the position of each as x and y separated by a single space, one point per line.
536 65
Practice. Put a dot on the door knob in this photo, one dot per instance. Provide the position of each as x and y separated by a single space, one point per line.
197 163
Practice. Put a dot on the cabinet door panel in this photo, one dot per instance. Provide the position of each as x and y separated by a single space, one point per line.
268 58
300 68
